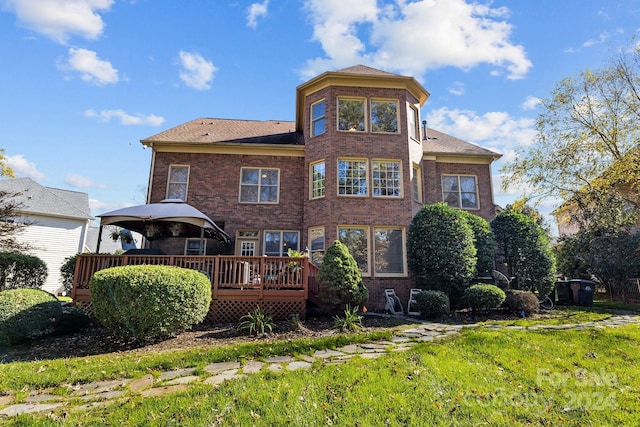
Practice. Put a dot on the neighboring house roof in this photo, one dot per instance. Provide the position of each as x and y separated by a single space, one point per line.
34 198
438 143
208 130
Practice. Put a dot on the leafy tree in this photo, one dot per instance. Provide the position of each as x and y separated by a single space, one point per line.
484 242
341 278
522 205
9 208
440 250
586 150
526 250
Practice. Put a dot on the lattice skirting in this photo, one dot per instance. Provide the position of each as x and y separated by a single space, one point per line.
228 311
86 306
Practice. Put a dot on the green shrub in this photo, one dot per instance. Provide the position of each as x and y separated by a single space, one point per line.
341 278
19 271
432 304
257 322
441 251
484 241
73 319
28 314
518 301
484 297
67 270
149 301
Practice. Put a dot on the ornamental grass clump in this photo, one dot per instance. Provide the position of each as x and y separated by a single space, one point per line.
432 304
27 314
350 322
149 301
256 322
484 297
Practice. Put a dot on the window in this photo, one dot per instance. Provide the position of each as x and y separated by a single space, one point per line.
357 240
386 178
316 244
259 185
278 243
195 247
416 183
318 118
352 177
412 125
247 242
351 114
388 248
317 180
384 116
460 191
177 182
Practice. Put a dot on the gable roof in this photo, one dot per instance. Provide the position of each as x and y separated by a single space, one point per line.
364 70
438 143
37 199
209 131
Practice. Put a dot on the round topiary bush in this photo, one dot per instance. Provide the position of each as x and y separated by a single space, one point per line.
28 314
432 304
521 301
19 271
149 301
484 297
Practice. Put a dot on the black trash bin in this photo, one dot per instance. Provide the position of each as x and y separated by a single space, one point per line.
563 293
585 290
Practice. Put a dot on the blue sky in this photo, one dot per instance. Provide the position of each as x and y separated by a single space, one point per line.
83 81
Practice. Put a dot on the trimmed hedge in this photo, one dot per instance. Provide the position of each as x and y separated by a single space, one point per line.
149 301
432 304
484 297
518 301
19 271
27 314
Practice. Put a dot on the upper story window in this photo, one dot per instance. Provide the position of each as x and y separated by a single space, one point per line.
318 118
317 180
413 122
258 185
387 178
352 177
460 191
384 116
178 182
351 113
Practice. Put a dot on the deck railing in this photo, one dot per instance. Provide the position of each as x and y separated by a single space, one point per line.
235 280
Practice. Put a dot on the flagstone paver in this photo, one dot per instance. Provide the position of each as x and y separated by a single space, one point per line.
101 393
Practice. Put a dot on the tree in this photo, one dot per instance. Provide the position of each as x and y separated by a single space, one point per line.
527 251
9 208
440 250
341 278
586 150
484 242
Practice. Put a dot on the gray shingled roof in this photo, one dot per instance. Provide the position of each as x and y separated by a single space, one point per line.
207 130
36 199
441 143
364 70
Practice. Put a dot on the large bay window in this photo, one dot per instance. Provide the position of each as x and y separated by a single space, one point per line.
460 191
352 177
387 178
389 253
356 238
178 182
351 113
258 185
384 116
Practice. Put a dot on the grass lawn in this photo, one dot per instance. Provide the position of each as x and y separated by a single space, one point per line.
496 377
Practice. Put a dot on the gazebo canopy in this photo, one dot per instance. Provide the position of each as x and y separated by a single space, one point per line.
169 218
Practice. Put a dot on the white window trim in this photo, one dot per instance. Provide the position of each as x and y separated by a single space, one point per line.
460 190
367 230
387 100
240 237
364 118
415 113
258 202
404 273
417 175
367 177
401 195
313 120
311 165
169 182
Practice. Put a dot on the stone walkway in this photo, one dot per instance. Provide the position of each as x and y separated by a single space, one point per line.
103 393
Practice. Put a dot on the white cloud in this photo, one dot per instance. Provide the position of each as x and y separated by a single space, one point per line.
602 38
443 33
78 181
125 118
256 10
196 72
457 88
24 168
91 68
531 103
59 19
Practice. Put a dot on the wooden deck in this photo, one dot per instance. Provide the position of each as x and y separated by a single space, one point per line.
238 284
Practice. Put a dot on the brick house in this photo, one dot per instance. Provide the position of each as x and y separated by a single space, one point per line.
356 165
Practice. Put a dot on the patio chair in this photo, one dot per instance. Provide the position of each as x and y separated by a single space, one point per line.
393 304
501 280
412 308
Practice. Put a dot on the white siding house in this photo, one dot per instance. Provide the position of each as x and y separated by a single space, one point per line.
58 221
